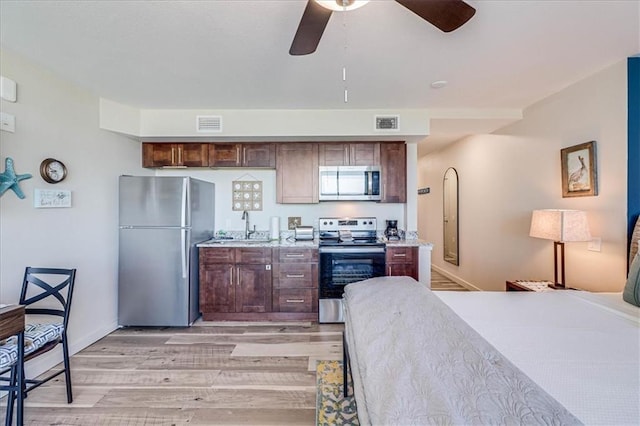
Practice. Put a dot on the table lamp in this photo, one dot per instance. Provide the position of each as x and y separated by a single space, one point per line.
560 226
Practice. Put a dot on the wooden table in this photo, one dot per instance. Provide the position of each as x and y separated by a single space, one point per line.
11 320
11 324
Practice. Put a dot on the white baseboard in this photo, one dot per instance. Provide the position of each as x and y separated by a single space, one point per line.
455 278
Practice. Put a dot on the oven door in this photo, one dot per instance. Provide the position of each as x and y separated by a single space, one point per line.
340 266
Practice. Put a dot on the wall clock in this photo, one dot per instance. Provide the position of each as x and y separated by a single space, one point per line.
52 170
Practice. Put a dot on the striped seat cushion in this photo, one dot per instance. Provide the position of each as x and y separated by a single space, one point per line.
35 337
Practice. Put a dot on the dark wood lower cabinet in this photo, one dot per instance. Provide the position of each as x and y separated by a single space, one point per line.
402 261
295 299
217 292
236 284
253 288
295 281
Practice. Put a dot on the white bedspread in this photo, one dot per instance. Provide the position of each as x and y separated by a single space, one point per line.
582 348
416 363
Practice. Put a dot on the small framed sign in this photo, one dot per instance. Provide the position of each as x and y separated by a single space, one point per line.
51 198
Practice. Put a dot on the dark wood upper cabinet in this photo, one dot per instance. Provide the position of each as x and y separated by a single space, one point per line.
393 164
155 154
349 154
297 173
225 155
296 163
242 155
259 155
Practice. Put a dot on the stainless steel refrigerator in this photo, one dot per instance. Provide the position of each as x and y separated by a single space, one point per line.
161 221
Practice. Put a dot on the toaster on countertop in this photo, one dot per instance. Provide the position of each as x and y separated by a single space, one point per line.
304 233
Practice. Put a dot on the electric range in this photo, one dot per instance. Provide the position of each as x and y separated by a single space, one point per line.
349 251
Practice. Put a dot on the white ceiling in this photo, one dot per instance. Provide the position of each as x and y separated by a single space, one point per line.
234 54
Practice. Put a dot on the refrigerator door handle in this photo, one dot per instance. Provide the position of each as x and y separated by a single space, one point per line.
185 198
183 224
184 252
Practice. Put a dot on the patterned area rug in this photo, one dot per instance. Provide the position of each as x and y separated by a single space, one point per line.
332 408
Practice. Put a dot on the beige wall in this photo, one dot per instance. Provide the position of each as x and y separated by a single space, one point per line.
55 119
506 175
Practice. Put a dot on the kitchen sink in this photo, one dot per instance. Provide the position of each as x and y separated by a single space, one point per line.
252 241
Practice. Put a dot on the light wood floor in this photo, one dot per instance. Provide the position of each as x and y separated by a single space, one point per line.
208 374
260 374
440 282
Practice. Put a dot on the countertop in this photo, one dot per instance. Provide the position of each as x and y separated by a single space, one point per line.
272 244
302 244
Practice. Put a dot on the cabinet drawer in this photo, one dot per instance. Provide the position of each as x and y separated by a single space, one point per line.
295 300
287 255
295 275
401 254
216 255
253 255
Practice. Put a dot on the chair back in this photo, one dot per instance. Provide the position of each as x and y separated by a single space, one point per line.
52 284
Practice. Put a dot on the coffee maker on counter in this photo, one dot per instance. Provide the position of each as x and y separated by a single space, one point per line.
391 232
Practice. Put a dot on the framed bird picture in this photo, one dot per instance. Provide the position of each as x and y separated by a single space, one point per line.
579 174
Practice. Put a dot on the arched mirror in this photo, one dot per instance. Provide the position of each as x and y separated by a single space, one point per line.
450 216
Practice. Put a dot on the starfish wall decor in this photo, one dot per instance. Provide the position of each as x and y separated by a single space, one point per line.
10 180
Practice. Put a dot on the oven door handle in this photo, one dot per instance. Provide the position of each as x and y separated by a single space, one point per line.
358 250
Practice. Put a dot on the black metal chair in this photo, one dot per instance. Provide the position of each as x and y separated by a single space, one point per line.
42 288
12 358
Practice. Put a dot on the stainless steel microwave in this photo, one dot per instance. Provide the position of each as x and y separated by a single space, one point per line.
356 183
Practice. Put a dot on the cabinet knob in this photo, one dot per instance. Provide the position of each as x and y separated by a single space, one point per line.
295 275
295 300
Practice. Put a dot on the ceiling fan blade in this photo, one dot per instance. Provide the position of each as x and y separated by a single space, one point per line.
312 25
446 15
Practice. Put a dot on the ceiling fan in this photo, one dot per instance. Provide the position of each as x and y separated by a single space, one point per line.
447 15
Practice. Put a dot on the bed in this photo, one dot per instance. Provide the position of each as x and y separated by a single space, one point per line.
421 357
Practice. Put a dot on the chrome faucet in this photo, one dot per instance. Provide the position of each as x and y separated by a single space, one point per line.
247 232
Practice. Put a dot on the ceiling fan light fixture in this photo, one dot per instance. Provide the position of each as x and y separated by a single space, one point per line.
340 5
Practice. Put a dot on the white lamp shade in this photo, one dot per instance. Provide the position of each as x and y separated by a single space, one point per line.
560 225
340 5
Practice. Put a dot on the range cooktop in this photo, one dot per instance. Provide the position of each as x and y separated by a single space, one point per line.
351 231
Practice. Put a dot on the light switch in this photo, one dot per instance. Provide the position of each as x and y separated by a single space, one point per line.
8 89
595 244
7 122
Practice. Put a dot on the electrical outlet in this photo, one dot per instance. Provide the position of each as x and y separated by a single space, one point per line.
293 222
